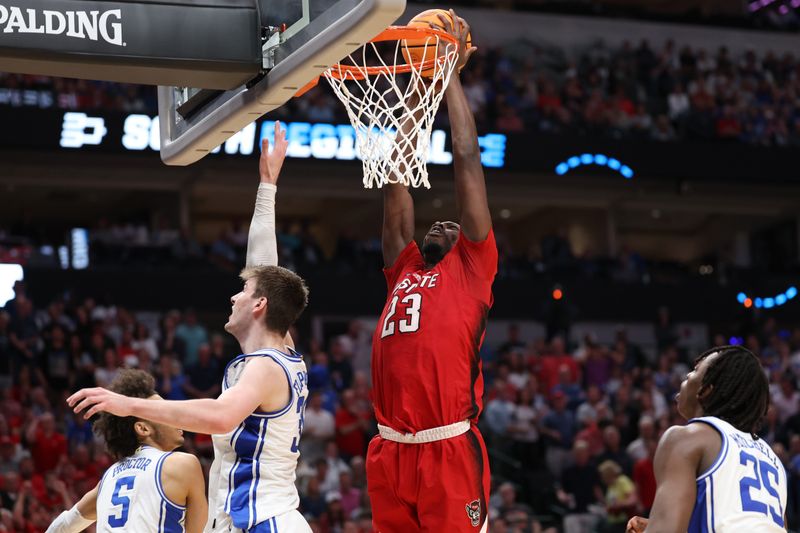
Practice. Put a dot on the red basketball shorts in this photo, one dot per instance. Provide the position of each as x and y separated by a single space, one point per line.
435 487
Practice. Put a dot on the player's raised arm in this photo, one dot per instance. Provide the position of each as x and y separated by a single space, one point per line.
470 184
262 242
398 221
262 247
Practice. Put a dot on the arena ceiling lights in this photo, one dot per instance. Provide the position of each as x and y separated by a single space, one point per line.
594 159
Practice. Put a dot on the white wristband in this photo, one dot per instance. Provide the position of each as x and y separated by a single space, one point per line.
69 522
262 246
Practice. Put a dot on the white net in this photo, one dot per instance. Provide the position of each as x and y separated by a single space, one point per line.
392 102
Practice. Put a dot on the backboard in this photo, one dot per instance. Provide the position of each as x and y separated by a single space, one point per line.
300 40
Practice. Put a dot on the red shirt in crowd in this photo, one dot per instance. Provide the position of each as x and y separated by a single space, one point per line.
47 450
645 480
355 442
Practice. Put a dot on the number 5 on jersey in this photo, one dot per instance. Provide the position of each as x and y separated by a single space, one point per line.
408 323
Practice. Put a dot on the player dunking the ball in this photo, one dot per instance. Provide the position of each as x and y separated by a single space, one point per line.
257 420
428 469
151 488
714 474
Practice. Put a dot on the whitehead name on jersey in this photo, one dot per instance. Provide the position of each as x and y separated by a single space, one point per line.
745 488
132 499
253 474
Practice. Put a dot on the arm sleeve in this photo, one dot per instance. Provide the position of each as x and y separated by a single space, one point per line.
410 256
262 246
69 522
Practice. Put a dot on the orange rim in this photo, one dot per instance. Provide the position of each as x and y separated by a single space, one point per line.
392 33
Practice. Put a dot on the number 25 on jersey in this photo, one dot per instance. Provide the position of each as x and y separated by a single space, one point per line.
407 322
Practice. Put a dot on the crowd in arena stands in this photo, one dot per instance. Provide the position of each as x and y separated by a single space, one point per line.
136 244
571 430
662 92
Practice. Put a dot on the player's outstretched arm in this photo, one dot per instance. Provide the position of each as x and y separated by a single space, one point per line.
81 516
212 417
262 247
183 481
398 221
676 463
470 184
262 242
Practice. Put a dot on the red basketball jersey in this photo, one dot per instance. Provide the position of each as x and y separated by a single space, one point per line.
426 371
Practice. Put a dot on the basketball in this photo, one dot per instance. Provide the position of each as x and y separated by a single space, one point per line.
419 50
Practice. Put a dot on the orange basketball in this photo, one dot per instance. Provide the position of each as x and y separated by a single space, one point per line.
424 49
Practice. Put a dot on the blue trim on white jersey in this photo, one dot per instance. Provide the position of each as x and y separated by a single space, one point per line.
234 438
698 523
160 487
248 446
257 465
293 356
285 409
713 519
723 450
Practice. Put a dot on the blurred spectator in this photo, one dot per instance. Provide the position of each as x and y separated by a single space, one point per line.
638 449
645 479
620 498
201 378
170 381
319 427
580 490
350 495
48 446
352 423
614 452
559 427
10 455
193 334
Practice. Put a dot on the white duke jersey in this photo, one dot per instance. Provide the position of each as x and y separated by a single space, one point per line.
253 474
131 497
745 488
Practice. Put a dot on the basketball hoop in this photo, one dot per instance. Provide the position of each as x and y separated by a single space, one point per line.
391 93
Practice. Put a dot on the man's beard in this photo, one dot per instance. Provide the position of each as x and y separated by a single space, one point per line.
432 252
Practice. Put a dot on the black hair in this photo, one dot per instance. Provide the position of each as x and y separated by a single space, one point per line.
739 388
118 432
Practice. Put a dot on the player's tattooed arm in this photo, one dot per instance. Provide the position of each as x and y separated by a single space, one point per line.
470 184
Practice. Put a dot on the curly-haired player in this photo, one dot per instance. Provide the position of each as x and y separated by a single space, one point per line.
715 474
151 488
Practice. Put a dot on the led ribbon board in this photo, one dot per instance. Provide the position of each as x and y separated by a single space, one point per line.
767 302
594 159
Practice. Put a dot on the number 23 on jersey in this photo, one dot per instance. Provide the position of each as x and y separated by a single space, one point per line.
405 322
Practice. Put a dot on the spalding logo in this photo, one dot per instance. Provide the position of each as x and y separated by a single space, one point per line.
87 25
